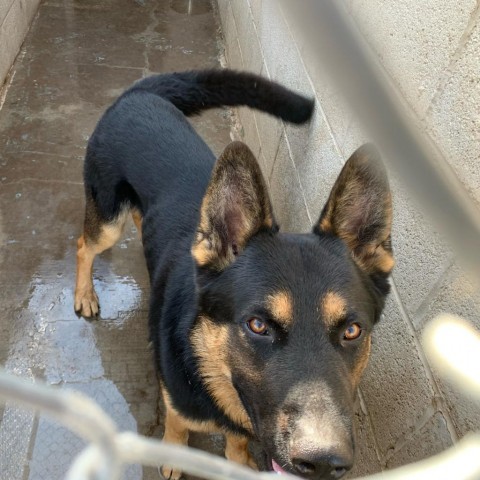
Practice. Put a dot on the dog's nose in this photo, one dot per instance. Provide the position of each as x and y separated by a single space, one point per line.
321 464
321 445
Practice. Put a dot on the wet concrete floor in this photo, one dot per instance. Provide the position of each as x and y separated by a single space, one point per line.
78 56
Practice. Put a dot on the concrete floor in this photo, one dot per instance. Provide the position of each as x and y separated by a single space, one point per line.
78 56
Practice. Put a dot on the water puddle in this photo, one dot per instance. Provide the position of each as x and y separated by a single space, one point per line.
54 344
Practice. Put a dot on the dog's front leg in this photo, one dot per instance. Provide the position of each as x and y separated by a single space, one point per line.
236 450
176 432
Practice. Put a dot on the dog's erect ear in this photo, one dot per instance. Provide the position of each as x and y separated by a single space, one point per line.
235 207
359 211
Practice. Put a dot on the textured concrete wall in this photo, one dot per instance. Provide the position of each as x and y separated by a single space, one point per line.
15 19
431 52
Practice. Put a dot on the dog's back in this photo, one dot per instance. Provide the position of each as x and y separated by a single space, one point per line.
145 137
144 155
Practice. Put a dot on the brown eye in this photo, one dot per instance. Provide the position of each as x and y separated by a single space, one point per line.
352 332
257 326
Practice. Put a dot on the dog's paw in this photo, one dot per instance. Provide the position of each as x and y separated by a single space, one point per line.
86 303
170 473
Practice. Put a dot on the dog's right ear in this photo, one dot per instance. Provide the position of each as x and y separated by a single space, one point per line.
359 211
235 207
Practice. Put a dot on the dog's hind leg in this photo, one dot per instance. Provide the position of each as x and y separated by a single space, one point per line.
137 219
236 450
98 236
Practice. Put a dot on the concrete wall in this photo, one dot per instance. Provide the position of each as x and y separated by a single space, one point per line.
15 19
431 51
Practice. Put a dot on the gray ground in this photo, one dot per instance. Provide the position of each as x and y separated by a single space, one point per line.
78 56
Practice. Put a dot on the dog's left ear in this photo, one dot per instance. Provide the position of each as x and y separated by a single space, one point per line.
359 211
235 207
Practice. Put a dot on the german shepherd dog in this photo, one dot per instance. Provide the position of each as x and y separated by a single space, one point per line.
257 334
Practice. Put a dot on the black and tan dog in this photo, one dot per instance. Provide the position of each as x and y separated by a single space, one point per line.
257 333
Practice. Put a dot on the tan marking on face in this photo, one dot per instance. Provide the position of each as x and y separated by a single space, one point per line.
210 344
362 361
333 308
280 305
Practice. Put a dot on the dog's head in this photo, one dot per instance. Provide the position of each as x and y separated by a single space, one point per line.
283 333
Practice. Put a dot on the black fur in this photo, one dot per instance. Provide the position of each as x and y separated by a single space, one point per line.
144 132
145 154
195 91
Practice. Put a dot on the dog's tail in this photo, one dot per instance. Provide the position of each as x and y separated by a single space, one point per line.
194 91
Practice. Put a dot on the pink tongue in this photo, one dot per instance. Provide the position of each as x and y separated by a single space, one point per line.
277 468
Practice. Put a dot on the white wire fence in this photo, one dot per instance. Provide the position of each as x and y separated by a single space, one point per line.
453 348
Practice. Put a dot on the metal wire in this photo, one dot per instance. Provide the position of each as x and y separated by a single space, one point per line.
74 410
109 451
436 188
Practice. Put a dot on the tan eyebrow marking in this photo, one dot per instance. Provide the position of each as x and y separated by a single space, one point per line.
333 308
280 305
